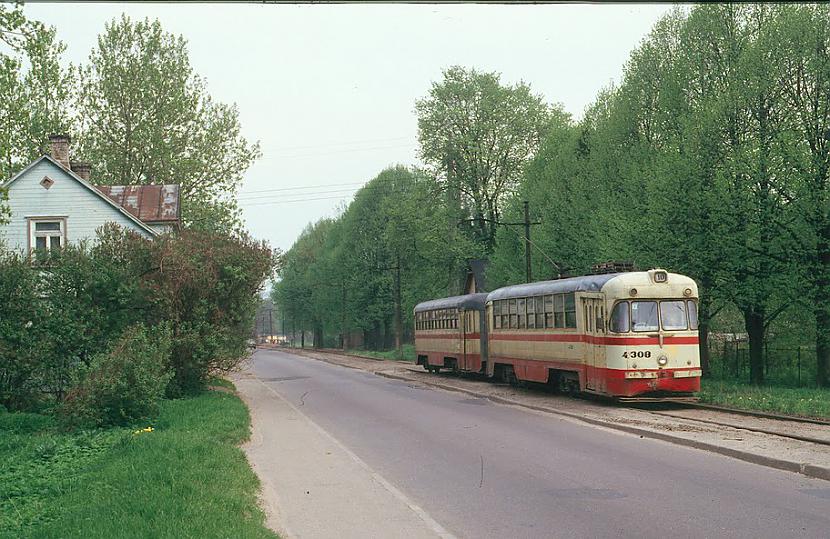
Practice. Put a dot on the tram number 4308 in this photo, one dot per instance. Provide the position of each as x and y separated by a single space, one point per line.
638 354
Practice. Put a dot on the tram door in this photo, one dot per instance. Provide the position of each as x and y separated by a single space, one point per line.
464 316
593 321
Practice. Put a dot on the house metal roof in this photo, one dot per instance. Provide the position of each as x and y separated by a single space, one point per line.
149 203
468 301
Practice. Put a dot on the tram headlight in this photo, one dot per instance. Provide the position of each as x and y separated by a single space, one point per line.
687 292
662 361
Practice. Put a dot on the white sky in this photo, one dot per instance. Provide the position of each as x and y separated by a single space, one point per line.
329 90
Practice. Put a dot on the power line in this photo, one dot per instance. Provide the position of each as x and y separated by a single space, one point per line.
348 143
273 202
336 152
372 184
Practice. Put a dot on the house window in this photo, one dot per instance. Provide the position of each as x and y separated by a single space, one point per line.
47 234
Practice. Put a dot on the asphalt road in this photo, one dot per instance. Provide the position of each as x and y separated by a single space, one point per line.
486 470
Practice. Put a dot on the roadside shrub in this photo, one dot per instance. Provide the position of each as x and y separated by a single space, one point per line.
207 285
21 332
124 384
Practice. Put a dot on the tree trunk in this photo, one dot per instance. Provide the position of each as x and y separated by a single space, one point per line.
318 335
398 313
822 310
704 321
754 318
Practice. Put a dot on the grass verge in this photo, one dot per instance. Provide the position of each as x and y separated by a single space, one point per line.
408 351
186 478
805 402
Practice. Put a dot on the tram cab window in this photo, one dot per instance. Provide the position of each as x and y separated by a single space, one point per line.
673 315
692 314
619 318
644 316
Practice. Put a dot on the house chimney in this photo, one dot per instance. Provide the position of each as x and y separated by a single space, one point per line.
60 149
82 169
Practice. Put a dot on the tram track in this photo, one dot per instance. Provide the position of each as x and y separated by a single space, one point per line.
773 432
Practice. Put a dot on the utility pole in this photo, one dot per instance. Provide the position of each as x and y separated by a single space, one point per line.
344 338
527 242
271 326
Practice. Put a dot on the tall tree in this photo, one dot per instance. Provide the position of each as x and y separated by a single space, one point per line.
477 134
802 50
146 117
34 89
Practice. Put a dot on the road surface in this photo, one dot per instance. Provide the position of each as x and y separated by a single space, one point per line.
480 469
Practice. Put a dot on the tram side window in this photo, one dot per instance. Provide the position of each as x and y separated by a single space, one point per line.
531 313
521 306
692 314
514 314
620 322
549 312
644 315
505 314
559 311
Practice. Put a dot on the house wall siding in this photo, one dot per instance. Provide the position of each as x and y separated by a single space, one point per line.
84 210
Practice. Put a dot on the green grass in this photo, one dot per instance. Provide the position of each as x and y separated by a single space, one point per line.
186 478
407 349
806 402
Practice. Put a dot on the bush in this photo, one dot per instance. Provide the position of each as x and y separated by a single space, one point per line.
21 335
208 288
124 384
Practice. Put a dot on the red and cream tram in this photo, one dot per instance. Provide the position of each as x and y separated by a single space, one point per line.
627 335
451 333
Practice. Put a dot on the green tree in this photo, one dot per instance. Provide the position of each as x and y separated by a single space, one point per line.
146 117
477 134
34 90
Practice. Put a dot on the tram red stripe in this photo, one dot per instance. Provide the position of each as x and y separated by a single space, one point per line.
579 337
468 336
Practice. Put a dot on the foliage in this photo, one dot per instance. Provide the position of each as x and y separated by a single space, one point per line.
34 90
62 317
782 400
477 134
341 274
206 285
707 159
124 384
186 478
21 347
169 130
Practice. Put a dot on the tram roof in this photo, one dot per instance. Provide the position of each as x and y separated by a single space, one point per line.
587 283
467 301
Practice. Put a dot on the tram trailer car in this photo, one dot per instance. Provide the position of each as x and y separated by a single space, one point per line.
628 335
451 333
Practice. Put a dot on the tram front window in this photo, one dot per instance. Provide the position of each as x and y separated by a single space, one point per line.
673 315
644 316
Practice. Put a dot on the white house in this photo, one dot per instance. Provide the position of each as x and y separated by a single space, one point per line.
53 203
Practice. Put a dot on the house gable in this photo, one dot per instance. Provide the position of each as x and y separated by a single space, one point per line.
47 189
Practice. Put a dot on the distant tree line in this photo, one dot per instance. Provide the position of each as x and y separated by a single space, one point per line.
711 158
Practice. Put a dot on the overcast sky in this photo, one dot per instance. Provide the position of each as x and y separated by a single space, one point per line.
329 90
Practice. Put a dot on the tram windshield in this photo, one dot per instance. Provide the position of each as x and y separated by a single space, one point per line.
644 315
673 315
649 315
